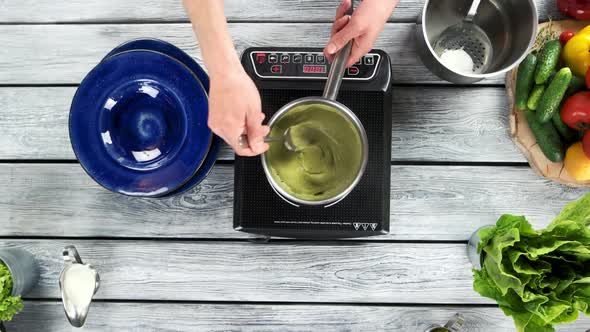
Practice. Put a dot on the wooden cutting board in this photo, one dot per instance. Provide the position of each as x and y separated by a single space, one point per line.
521 133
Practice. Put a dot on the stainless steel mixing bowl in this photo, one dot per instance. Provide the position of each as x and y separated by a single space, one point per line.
511 26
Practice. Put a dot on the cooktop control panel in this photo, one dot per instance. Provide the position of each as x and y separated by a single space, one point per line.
301 64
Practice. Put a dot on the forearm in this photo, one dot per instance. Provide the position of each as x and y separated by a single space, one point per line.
210 26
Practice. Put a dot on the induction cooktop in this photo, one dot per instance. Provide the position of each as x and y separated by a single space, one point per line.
286 74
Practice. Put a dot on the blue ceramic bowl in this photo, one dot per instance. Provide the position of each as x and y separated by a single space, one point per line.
138 124
175 52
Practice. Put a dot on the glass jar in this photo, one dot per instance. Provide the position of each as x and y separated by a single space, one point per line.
22 267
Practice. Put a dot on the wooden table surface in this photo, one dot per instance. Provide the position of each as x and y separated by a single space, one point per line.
176 264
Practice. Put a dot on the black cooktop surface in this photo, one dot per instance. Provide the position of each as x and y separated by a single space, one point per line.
367 92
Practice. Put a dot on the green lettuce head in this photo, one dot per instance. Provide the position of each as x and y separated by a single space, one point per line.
539 278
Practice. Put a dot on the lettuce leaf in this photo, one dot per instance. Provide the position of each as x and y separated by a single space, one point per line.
539 278
578 211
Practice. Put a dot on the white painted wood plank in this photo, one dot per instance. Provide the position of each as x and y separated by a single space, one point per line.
275 272
52 54
427 203
171 10
34 123
452 124
117 316
445 126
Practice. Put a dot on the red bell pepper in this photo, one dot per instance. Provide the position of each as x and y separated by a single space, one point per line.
576 111
578 9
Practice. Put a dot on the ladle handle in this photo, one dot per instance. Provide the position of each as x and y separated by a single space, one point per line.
456 323
472 10
70 254
243 142
338 67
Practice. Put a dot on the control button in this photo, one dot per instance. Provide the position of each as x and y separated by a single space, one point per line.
260 57
309 58
276 69
297 58
369 60
320 58
285 58
273 58
353 71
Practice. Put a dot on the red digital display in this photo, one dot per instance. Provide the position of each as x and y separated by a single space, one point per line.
314 69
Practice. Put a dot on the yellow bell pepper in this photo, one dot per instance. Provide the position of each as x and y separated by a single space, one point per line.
586 30
576 53
576 163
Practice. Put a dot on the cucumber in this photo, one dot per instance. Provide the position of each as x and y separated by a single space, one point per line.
576 84
525 80
535 96
553 72
548 59
551 98
568 134
547 137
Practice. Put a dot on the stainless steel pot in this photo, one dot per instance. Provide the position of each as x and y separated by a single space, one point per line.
329 99
511 26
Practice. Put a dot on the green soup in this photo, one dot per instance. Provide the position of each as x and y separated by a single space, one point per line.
328 157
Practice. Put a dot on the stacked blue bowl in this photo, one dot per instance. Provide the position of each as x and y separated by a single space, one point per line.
138 121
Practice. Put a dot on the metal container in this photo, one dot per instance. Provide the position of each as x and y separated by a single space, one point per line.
78 282
22 267
455 324
328 99
511 26
473 255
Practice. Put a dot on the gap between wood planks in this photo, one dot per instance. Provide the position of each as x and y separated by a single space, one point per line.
253 240
332 304
231 162
143 22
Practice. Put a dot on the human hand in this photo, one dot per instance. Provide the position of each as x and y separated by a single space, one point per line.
364 26
234 110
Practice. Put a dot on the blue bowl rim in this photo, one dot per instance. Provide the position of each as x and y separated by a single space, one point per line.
201 74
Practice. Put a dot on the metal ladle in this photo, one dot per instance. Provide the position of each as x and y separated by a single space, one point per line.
468 36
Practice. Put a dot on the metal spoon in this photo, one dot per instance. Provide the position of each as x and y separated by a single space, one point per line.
287 140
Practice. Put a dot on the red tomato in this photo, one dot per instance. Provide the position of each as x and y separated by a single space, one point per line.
586 144
576 111
565 37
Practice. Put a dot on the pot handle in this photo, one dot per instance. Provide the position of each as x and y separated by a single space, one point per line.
338 66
